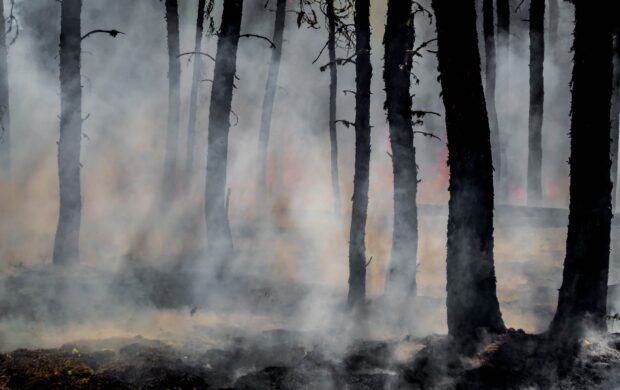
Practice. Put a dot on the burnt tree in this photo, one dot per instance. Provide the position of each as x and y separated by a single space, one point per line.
5 114
537 98
615 113
398 40
502 58
219 247
66 242
333 91
268 101
583 296
488 28
359 212
193 98
174 100
472 300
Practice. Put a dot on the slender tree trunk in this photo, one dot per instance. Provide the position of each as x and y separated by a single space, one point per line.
219 247
193 99
583 296
359 212
174 100
472 300
398 41
66 243
268 100
5 113
537 98
491 77
333 91
554 21
615 114
503 58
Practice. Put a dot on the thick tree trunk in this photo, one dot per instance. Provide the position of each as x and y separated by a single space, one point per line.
218 228
398 41
491 77
472 300
583 295
174 100
268 100
537 98
333 91
359 212
193 99
615 115
5 113
66 243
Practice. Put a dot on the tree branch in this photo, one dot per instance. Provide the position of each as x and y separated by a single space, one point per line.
273 45
112 33
197 53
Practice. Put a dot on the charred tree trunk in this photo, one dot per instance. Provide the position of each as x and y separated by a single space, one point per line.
268 100
174 100
333 91
398 41
359 212
537 98
472 300
615 115
488 23
193 99
5 114
66 243
219 247
583 296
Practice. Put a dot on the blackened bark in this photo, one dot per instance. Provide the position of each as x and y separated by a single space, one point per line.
333 91
488 27
218 228
398 41
537 98
615 115
193 99
174 100
583 295
5 113
66 243
359 212
268 100
472 300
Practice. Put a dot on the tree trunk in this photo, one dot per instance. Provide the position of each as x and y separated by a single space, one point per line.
268 100
174 100
472 300
615 114
219 247
333 92
398 41
5 114
363 70
66 243
583 296
537 98
503 58
554 21
193 99
491 77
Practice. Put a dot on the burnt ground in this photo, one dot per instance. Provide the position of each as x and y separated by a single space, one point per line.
281 360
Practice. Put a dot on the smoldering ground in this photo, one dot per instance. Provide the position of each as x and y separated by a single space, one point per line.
281 315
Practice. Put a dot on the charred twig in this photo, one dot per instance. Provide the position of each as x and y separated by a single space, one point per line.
345 122
416 52
349 91
340 61
421 113
197 53
112 33
273 45
426 134
368 263
320 53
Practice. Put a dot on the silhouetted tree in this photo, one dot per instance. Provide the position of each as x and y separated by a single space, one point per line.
359 212
66 243
472 300
615 113
333 91
5 113
398 40
218 228
174 100
537 98
268 100
583 296
193 98
503 57
488 26
554 21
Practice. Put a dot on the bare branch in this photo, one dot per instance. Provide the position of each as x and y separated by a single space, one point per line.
112 33
273 45
197 53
